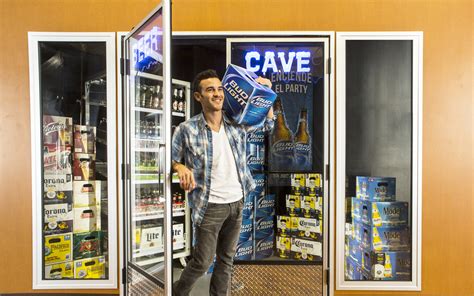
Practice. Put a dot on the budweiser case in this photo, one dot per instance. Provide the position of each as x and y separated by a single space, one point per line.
246 101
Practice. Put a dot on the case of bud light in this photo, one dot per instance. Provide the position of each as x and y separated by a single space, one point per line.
385 238
263 227
248 208
259 183
384 213
244 250
264 247
375 188
246 230
388 265
256 150
264 205
246 101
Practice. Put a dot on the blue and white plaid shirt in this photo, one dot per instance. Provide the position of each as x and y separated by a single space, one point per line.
192 140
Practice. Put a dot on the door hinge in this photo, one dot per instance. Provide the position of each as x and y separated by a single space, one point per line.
327 276
121 66
327 173
329 66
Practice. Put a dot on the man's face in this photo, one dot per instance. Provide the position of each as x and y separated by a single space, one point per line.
211 95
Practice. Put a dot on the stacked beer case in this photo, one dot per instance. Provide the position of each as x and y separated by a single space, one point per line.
378 236
72 200
300 230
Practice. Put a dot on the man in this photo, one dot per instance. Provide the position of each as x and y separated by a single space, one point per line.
216 176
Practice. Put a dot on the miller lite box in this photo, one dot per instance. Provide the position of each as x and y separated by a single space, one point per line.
86 245
59 271
178 235
84 139
393 238
264 205
375 188
303 249
264 247
391 213
83 167
57 160
86 193
246 101
293 206
57 189
91 268
395 266
283 246
87 219
309 228
57 248
149 240
256 150
57 131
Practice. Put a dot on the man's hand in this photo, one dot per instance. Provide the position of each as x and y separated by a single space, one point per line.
186 177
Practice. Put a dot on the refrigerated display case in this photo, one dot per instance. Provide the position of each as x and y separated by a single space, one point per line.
73 160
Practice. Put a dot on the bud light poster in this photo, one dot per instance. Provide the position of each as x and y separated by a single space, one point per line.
296 70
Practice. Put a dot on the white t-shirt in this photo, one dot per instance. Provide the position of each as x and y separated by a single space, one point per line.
225 183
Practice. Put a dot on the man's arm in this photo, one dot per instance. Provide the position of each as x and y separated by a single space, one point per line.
186 176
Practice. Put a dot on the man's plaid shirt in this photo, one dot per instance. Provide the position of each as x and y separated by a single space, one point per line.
192 141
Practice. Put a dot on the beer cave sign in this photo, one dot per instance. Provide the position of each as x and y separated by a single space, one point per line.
253 59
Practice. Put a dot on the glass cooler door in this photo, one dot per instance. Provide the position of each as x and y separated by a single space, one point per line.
147 155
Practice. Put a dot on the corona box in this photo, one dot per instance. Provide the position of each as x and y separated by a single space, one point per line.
246 101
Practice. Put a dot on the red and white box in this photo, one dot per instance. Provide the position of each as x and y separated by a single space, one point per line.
84 139
83 167
57 130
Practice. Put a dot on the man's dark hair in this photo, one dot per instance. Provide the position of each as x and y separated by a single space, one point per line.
202 76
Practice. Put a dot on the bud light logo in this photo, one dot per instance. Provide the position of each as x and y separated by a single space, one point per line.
264 247
244 251
246 230
264 227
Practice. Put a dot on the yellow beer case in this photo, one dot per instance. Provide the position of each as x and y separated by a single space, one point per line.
91 268
59 271
57 248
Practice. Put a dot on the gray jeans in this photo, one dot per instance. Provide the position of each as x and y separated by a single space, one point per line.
218 234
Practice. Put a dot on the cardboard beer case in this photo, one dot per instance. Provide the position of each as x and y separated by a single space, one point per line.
393 238
87 193
57 189
287 226
264 205
248 208
57 131
178 236
90 268
264 247
293 205
310 206
83 167
57 248
246 101
388 265
375 188
87 219
263 227
244 250
149 239
298 183
309 228
246 230
314 183
57 160
391 213
84 139
256 150
86 245
283 246
59 271
303 249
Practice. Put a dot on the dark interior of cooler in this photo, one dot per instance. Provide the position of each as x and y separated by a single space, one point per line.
74 110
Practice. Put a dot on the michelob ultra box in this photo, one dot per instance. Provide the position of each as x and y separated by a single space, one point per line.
293 205
303 249
246 101
396 238
256 150
86 245
246 230
264 247
287 226
57 160
388 265
57 189
263 227
298 182
244 250
309 228
59 271
388 213
57 130
283 246
86 193
91 268
83 167
84 139
264 205
87 219
310 206
248 208
57 248
375 188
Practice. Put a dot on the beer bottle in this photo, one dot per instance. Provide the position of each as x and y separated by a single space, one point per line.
180 101
175 100
281 155
143 96
303 142
155 98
